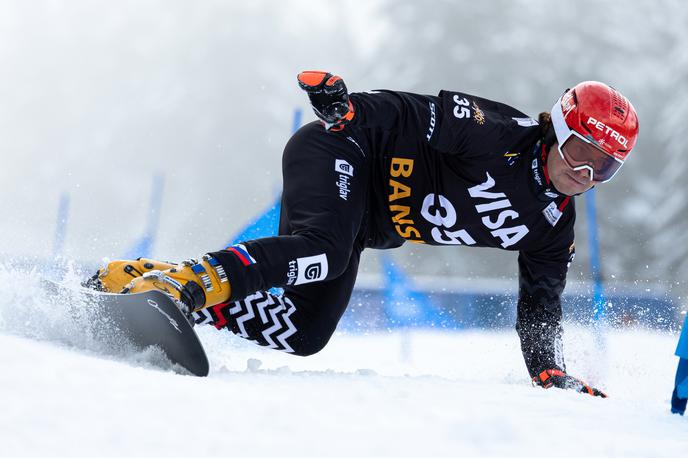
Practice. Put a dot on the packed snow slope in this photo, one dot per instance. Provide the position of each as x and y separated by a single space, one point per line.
421 393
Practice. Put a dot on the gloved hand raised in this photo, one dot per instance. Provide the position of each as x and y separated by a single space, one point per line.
194 285
559 379
329 98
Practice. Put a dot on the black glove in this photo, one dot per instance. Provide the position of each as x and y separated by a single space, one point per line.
559 379
329 98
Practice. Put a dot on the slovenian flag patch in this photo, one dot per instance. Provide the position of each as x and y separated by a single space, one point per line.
242 253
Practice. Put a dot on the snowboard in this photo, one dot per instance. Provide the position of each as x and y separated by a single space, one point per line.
140 321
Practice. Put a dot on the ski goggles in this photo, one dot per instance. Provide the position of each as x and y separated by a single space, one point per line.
581 153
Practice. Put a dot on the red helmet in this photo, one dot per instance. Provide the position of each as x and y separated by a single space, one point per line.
596 129
599 113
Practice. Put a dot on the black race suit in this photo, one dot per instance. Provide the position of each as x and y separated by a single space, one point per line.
451 169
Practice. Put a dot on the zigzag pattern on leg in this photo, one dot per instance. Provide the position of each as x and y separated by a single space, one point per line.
281 329
261 317
211 315
203 316
242 311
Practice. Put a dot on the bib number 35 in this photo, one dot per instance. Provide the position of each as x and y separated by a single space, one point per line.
437 210
461 109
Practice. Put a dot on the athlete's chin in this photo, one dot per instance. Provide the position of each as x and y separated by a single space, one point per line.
570 187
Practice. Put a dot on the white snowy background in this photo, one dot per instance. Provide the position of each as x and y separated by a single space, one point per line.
97 97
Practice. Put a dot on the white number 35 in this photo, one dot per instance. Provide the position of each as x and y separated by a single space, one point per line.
461 109
440 212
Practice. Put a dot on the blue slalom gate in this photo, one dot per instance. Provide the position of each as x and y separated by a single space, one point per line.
679 397
405 306
61 226
598 298
143 247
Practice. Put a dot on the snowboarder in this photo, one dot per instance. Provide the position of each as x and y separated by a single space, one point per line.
384 167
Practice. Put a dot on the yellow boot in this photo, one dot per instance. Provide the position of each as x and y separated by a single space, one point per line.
193 284
117 275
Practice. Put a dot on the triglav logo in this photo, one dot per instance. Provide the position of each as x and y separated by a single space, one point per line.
341 166
345 171
291 273
313 271
536 171
310 269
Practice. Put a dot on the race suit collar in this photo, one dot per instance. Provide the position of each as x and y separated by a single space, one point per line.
544 189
